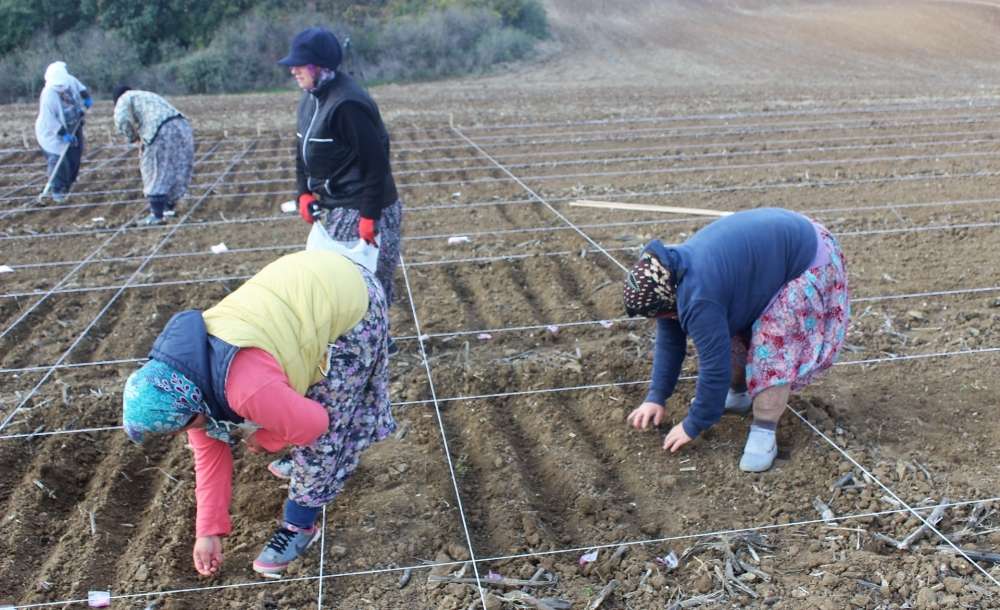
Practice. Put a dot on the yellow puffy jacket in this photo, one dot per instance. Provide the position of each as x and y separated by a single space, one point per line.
293 309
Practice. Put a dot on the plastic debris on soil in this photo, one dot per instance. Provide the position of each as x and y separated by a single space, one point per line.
669 560
98 599
219 248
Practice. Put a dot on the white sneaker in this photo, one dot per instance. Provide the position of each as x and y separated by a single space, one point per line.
760 450
738 402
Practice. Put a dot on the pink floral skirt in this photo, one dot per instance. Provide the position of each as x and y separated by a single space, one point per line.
801 332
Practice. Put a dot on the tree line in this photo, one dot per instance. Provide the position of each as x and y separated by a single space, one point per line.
200 46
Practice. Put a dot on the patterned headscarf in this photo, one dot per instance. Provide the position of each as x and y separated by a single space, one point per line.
159 398
321 76
649 288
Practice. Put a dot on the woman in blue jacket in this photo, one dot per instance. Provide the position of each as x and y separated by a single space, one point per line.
763 295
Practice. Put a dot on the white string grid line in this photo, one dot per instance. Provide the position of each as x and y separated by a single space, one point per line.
894 106
111 302
427 566
895 497
768 148
444 436
592 386
889 206
524 328
672 118
32 200
443 143
604 138
635 172
619 384
72 272
541 200
814 184
429 263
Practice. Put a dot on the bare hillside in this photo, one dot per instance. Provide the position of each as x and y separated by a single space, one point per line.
688 43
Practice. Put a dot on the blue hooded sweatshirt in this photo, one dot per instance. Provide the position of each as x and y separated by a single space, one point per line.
726 274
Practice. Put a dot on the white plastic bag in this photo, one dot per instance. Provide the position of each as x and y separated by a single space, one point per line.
359 251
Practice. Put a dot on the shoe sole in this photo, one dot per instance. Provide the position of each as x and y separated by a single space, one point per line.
278 473
275 572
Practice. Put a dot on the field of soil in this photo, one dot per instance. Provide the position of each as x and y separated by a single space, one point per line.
517 366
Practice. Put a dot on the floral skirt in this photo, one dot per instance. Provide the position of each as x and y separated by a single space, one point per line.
355 393
167 163
801 332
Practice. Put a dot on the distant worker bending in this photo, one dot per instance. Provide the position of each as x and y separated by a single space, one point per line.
763 295
166 148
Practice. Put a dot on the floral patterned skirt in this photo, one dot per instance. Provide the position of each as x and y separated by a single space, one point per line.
167 163
355 393
801 332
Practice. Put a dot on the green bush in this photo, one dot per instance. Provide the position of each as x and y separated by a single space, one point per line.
456 38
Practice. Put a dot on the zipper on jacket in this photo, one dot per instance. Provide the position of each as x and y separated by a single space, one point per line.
305 136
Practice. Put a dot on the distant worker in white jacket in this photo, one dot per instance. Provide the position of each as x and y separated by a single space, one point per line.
59 127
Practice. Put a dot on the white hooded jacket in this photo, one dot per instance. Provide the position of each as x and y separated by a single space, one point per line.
60 106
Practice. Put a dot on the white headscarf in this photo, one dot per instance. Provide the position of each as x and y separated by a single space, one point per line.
56 75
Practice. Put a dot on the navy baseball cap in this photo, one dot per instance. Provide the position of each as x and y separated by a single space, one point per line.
317 46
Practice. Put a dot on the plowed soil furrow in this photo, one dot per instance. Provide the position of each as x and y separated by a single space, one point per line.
463 286
534 215
49 331
123 485
546 491
514 521
523 298
43 506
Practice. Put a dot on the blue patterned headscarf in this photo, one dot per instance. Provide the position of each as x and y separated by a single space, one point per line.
159 398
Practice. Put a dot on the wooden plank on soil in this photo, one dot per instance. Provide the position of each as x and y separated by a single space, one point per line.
646 207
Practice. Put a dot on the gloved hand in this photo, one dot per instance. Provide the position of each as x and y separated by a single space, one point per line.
88 102
366 229
69 139
308 208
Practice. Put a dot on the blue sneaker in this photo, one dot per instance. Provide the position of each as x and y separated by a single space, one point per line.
285 546
281 467
392 349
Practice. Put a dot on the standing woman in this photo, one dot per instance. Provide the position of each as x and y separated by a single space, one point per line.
763 296
59 127
295 356
166 148
342 153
